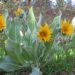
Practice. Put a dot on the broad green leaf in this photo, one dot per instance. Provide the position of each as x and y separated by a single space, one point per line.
7 64
31 19
13 30
31 15
56 22
14 50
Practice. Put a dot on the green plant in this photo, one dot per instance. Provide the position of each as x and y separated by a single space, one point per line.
24 49
2 45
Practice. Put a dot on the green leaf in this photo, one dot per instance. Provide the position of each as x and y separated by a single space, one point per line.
40 20
5 13
31 19
2 53
7 64
31 15
14 50
71 44
13 30
56 22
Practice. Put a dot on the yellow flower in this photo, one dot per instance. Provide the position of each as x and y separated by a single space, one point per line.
66 27
18 12
2 22
45 33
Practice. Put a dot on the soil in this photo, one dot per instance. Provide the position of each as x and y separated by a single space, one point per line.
63 73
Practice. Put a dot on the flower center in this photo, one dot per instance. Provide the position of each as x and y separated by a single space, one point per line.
65 29
43 33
